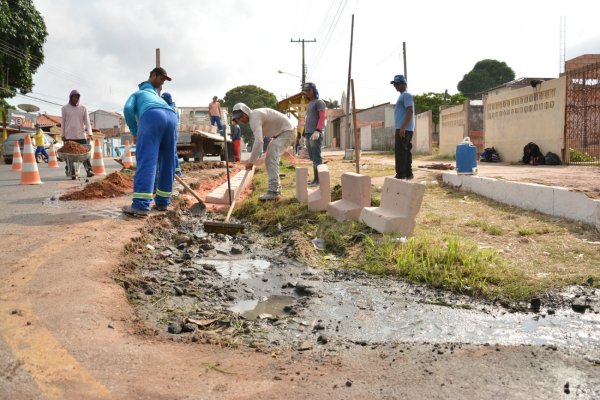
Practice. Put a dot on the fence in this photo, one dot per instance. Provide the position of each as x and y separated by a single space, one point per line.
582 122
382 139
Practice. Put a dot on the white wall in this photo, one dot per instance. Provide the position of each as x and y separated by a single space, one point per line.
423 133
453 126
514 118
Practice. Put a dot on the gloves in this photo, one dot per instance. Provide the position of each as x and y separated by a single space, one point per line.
315 135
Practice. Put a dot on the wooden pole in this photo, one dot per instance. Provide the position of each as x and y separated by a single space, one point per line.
348 88
356 131
158 57
404 56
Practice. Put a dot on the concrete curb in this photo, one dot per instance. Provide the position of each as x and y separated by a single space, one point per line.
220 195
551 200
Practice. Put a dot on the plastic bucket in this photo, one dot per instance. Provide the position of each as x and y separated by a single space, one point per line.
466 157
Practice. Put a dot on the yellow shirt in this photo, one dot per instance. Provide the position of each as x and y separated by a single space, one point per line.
39 138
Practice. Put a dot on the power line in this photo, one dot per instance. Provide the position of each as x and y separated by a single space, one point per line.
12 51
332 27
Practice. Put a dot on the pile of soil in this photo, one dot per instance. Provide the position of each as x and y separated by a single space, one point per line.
292 159
114 185
73 148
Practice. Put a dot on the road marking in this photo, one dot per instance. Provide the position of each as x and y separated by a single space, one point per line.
57 374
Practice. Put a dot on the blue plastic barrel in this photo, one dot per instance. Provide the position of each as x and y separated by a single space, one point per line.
466 157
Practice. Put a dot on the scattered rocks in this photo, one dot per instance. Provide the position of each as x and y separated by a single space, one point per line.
175 328
535 304
579 304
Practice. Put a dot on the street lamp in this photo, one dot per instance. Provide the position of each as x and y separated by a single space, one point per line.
294 75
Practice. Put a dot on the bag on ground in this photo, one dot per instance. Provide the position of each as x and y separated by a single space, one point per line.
552 159
532 154
489 154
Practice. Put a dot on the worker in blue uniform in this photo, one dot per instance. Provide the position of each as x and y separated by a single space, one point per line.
154 123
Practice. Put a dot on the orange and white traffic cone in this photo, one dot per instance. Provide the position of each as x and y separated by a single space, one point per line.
52 161
29 174
17 161
97 160
127 160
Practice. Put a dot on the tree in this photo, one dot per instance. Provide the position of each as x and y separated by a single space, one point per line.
486 74
433 101
253 97
331 104
22 36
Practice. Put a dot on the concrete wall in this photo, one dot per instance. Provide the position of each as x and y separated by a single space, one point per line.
365 138
423 133
453 128
102 120
513 119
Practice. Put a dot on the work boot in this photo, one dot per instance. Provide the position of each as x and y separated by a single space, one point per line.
270 195
90 173
135 212
160 207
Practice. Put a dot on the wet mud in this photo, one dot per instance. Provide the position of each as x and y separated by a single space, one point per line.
243 290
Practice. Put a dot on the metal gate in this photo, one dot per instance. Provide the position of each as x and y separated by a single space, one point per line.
582 119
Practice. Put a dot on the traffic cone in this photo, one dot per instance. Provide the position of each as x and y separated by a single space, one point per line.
29 174
127 160
97 160
52 161
17 162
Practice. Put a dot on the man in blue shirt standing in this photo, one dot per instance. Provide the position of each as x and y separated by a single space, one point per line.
154 122
404 124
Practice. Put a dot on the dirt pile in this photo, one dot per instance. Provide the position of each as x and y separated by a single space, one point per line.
114 185
73 148
292 159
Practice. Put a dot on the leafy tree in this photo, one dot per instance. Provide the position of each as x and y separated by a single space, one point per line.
331 104
22 36
433 101
485 74
253 97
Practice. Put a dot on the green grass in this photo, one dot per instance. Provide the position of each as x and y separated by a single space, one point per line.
450 263
486 227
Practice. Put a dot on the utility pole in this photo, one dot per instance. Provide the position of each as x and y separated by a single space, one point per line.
404 55
348 88
303 63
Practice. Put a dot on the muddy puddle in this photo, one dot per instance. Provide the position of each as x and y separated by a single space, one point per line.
239 288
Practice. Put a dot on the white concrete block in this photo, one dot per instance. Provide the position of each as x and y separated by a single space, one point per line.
400 204
356 194
319 199
302 184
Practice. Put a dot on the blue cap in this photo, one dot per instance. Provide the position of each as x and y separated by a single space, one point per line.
399 79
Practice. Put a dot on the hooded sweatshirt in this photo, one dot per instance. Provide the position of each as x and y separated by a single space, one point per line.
141 101
75 120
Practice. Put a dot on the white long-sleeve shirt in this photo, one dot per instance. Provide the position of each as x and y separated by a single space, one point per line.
266 122
75 122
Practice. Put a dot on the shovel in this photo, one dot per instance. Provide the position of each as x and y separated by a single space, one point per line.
189 189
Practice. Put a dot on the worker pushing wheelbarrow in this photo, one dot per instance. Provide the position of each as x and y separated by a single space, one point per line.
75 154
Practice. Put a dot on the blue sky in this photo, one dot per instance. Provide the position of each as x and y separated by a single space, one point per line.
104 48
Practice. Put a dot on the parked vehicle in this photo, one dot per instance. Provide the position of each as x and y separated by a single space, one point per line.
7 146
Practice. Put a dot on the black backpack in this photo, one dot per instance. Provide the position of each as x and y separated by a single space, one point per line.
552 159
532 154
490 154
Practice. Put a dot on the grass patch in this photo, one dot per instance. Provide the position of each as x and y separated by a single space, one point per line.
451 263
486 227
